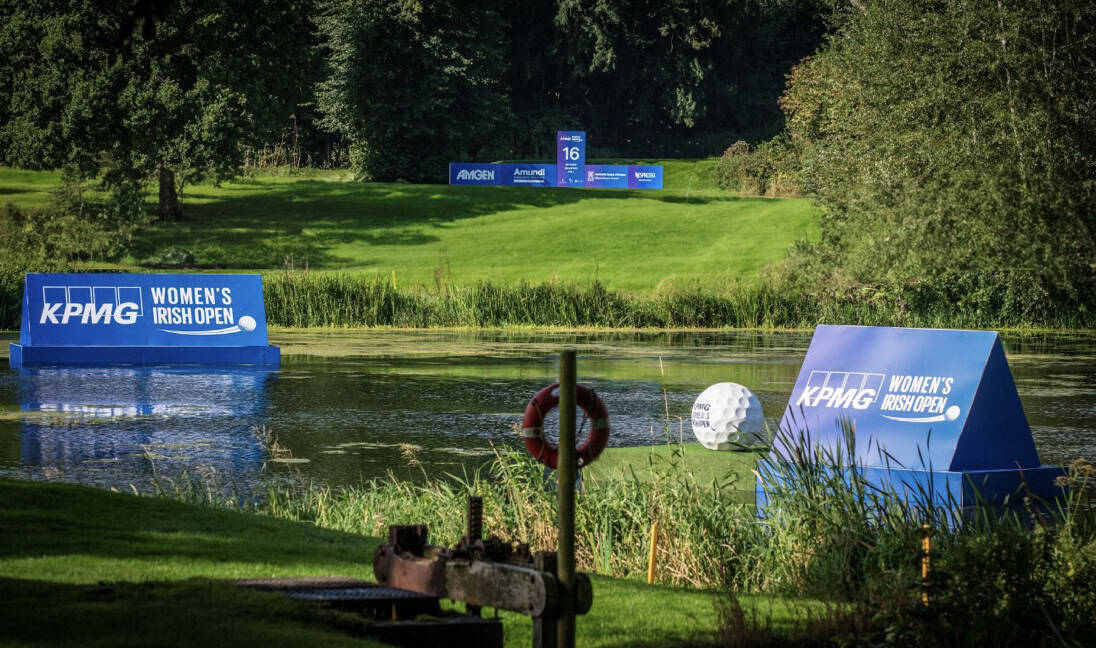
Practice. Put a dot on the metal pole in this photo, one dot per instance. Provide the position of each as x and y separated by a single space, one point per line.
566 473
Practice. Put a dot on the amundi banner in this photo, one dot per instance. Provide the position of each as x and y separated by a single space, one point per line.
142 319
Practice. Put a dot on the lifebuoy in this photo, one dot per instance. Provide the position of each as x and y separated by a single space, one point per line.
532 425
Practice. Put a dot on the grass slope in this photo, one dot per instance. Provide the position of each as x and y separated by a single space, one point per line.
691 232
706 465
87 567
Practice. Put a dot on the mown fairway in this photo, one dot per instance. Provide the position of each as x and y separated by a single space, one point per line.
428 234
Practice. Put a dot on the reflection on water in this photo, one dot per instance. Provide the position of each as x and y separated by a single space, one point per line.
118 426
356 405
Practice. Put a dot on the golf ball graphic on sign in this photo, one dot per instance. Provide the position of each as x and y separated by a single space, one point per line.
727 414
247 323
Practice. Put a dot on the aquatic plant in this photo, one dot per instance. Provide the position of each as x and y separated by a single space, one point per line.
307 299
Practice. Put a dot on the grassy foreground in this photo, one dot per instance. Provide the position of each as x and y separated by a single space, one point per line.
86 567
428 235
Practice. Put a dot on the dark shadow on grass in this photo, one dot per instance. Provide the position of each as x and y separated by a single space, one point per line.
193 612
8 191
42 520
303 220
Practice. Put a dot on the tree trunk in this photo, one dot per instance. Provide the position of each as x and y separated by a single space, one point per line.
170 209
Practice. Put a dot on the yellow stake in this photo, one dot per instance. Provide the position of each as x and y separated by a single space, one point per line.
926 562
393 280
651 557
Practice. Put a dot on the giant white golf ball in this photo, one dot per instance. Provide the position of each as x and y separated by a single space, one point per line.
247 323
728 414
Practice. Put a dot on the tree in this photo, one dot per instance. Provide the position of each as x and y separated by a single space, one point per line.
951 145
160 90
414 85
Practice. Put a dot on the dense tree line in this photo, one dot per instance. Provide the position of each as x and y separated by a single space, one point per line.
952 146
950 143
413 85
175 89
156 90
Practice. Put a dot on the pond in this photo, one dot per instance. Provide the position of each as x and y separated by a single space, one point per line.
349 406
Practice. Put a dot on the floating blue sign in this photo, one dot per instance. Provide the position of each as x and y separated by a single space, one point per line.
607 176
527 175
932 407
143 319
570 158
472 173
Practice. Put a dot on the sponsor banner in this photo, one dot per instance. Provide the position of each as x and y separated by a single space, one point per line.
607 176
644 177
472 173
918 398
528 175
570 158
138 310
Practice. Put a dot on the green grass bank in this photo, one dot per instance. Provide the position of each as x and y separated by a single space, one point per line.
84 567
429 235
337 253
832 564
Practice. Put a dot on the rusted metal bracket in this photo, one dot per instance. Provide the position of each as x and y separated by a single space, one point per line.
480 573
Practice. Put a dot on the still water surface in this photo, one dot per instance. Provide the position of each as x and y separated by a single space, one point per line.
351 406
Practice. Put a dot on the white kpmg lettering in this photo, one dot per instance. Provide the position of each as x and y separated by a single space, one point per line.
124 313
836 397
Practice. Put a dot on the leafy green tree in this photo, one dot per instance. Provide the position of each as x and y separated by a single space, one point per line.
952 147
414 85
650 72
158 90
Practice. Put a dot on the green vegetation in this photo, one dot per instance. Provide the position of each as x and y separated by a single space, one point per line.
123 95
949 145
303 299
1024 577
1019 576
88 567
498 80
644 462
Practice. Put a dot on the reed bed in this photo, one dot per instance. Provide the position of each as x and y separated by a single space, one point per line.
301 299
1023 574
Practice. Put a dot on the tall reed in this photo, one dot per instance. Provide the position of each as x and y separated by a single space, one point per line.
306 299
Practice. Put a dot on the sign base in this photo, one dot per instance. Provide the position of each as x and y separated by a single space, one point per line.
36 356
957 491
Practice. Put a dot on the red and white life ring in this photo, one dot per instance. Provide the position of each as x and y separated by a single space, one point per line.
532 425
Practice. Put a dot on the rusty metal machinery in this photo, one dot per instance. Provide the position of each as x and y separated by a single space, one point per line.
480 573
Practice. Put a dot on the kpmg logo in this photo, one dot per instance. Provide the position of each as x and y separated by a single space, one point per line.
476 174
91 304
925 396
840 389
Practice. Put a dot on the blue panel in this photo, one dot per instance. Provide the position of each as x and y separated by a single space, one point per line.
607 176
142 356
571 158
528 175
996 434
909 392
644 177
472 173
188 317
934 411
